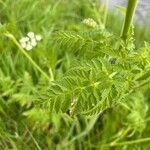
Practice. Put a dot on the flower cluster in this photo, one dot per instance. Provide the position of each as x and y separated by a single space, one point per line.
30 41
90 22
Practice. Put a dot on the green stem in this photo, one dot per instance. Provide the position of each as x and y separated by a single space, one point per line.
124 133
128 19
26 54
105 13
131 142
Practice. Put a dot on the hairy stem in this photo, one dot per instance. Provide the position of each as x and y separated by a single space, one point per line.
128 19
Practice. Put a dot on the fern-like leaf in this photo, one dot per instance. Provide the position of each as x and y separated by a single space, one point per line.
89 88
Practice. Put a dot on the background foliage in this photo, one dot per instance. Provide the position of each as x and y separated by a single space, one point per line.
97 95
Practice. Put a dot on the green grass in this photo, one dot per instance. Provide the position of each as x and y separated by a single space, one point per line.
52 98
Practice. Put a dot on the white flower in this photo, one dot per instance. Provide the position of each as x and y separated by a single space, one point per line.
28 47
31 35
30 41
33 42
38 37
23 45
90 22
24 39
